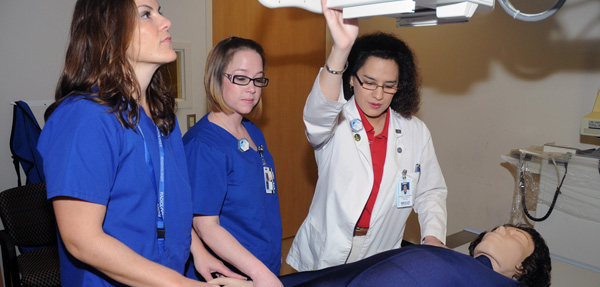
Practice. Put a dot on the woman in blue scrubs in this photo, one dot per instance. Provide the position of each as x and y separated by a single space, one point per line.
235 199
113 155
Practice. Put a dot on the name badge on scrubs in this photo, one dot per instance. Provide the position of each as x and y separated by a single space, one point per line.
404 192
269 180
243 145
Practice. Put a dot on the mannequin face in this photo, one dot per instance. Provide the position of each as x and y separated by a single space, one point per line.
506 247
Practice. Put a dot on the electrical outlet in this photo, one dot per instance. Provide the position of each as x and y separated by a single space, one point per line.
191 120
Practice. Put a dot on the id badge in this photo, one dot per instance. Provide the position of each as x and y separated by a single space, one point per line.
269 180
404 192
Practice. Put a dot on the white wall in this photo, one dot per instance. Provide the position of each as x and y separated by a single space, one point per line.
33 37
192 23
497 84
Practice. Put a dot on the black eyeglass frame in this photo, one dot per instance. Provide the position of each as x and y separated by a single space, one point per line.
383 87
256 81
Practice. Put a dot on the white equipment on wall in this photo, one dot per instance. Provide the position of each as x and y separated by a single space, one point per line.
573 227
558 189
406 12
590 124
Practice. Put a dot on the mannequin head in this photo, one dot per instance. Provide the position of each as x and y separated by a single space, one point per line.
517 252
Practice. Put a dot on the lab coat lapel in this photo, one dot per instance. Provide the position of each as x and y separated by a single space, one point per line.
395 148
363 143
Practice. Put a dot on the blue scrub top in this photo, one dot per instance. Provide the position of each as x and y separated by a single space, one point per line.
230 183
90 156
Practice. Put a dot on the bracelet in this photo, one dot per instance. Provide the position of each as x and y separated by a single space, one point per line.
334 71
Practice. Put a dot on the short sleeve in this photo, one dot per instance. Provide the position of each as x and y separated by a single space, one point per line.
80 150
208 170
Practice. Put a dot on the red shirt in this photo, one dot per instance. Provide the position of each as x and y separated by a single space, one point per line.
378 145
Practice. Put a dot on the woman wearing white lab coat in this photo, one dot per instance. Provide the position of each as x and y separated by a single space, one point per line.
369 87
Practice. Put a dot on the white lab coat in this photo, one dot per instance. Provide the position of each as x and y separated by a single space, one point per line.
346 180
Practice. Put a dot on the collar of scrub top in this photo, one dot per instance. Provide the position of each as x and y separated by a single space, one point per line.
160 224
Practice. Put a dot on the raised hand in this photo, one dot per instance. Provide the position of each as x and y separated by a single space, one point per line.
343 31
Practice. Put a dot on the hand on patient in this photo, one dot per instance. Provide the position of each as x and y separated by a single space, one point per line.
209 265
269 280
430 240
231 282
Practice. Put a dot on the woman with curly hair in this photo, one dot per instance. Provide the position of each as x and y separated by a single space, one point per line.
375 158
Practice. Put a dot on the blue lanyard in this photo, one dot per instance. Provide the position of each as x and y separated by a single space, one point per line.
160 224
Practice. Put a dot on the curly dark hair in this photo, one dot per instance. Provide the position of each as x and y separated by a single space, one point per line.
535 269
387 46
101 31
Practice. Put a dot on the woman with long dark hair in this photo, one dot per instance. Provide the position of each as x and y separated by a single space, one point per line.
113 154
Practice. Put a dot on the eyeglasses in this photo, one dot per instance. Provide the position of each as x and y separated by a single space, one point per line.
388 89
244 80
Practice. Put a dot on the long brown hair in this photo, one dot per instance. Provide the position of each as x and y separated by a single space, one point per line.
101 31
